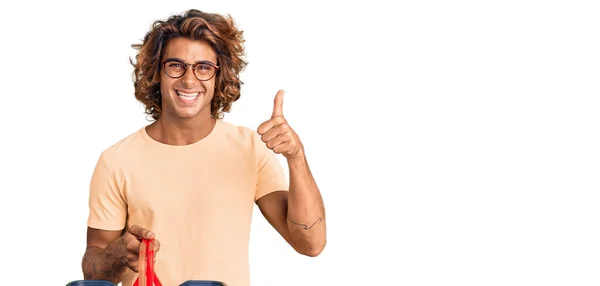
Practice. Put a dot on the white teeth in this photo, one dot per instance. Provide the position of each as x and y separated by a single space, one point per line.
187 95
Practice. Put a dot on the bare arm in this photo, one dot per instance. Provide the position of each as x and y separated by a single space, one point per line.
298 215
109 253
306 211
102 258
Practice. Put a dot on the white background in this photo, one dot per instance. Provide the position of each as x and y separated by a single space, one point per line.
454 142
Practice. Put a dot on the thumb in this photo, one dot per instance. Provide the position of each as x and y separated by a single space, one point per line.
278 104
141 232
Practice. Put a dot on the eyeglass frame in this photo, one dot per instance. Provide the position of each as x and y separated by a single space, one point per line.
186 65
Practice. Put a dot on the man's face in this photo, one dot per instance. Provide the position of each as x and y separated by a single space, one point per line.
187 97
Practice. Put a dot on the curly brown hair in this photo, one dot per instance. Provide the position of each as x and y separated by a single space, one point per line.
218 31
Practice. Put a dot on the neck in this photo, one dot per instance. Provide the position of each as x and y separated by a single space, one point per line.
181 131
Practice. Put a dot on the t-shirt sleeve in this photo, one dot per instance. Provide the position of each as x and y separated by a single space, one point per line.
107 206
270 175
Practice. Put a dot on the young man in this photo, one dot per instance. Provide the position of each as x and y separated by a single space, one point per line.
189 180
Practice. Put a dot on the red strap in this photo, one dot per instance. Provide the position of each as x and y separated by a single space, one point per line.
147 275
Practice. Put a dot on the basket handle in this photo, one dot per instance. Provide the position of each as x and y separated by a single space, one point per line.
147 276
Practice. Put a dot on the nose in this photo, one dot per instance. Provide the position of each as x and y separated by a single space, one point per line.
188 78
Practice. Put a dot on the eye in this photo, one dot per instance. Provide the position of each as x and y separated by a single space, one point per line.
203 67
174 65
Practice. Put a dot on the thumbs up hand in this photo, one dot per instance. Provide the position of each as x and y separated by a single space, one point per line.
278 135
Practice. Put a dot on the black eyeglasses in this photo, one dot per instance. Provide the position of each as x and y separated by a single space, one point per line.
203 70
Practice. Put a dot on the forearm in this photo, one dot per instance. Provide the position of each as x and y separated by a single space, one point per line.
102 264
306 211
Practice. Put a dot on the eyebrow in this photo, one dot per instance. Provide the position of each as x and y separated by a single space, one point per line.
198 62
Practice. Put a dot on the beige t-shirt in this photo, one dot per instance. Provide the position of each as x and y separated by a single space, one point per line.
198 199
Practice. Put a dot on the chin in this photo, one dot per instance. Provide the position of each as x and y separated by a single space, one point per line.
188 114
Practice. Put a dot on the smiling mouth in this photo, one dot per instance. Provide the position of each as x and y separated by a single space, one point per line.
189 97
